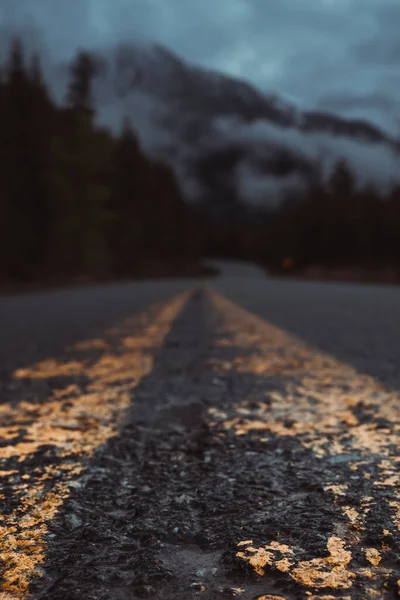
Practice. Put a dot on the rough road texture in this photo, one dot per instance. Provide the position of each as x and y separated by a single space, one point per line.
247 464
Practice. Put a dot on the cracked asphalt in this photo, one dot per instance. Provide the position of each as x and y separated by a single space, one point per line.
236 438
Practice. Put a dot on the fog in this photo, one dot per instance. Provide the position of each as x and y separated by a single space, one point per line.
162 126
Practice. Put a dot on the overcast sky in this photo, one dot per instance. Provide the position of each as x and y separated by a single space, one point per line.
339 55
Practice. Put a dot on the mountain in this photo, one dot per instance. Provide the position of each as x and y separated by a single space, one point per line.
224 136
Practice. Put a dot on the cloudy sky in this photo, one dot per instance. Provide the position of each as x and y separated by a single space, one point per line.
338 55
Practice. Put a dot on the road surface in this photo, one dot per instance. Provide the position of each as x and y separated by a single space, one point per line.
232 438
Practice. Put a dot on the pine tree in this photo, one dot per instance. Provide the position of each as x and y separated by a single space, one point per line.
80 89
342 180
129 200
82 156
342 189
169 234
19 240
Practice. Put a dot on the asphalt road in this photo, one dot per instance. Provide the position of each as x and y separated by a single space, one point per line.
359 324
42 325
236 442
356 323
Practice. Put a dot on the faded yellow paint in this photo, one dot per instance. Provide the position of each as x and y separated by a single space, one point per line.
245 543
319 572
316 407
313 597
284 565
258 560
73 429
327 572
338 490
95 344
395 506
352 514
268 597
373 556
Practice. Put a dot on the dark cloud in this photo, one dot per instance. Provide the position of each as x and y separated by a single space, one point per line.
62 25
374 106
380 49
306 50
376 100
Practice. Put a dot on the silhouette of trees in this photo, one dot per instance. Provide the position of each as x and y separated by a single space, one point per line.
26 122
75 199
336 223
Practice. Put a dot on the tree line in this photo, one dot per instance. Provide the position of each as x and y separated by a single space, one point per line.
337 223
74 198
331 222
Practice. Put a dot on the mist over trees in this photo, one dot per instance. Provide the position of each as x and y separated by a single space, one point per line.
78 200
338 224
75 199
